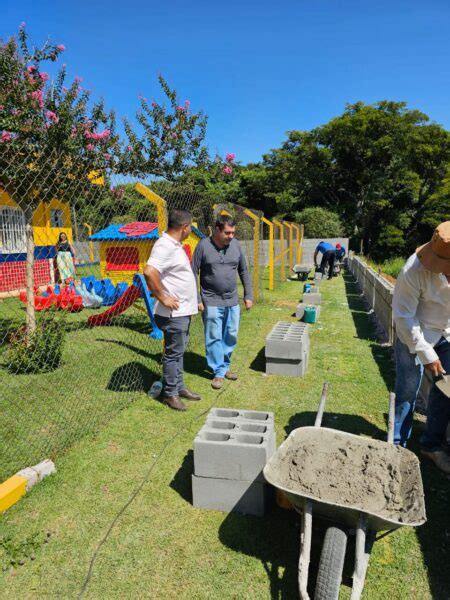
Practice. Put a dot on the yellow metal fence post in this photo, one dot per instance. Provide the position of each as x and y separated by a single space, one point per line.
271 251
91 244
160 203
256 236
291 243
281 256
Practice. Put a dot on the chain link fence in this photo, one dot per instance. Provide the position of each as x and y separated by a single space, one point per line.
77 343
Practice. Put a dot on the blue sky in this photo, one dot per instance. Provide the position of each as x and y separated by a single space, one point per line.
256 68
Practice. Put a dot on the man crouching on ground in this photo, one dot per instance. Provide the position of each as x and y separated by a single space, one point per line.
219 259
169 276
421 307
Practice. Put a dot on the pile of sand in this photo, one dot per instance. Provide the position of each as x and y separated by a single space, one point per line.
367 474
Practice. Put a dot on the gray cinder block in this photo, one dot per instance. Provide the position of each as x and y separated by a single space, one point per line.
287 340
259 417
285 366
246 497
300 310
232 453
318 276
312 298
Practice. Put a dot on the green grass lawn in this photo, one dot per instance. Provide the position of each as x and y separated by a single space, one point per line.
161 547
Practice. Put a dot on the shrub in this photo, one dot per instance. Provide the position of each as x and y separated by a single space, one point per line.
41 351
393 266
320 223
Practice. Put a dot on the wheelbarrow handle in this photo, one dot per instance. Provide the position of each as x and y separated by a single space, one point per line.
323 399
391 419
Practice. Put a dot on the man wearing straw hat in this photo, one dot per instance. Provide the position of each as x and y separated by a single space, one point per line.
421 308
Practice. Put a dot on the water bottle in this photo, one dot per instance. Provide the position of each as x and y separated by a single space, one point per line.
156 389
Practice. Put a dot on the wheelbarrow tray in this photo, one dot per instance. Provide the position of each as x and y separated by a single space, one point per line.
320 441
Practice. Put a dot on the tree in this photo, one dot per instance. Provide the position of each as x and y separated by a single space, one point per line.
171 138
51 138
319 223
376 166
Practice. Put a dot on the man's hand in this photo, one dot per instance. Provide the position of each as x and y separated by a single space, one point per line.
201 307
170 302
435 368
248 304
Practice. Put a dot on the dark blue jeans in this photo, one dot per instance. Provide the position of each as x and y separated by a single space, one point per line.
407 384
176 336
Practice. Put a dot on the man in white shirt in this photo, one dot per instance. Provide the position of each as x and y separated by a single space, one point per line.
421 307
170 278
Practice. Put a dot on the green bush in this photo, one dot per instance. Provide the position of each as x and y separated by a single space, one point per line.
41 351
320 223
393 266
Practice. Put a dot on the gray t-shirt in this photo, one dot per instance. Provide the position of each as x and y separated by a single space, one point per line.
218 268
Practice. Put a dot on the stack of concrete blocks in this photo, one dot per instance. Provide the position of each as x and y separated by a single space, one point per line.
287 349
311 298
230 452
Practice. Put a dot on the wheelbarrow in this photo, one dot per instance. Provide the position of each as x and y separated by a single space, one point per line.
367 513
302 271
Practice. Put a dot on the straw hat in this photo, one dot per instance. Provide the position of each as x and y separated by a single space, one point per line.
435 255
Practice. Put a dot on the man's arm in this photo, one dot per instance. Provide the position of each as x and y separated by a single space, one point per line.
158 262
316 252
244 276
196 266
404 306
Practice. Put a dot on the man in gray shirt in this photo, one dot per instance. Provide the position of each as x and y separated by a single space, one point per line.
218 259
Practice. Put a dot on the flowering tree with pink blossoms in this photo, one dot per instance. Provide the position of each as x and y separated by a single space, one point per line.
170 138
50 135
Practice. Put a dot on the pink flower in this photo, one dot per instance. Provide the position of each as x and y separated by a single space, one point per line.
60 47
48 125
6 137
90 147
31 69
1 107
230 157
15 112
104 135
38 97
53 117
44 76
23 24
174 135
227 170
129 148
78 79
180 109
187 104
154 104
107 156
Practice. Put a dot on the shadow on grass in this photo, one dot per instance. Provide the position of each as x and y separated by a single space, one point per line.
132 377
181 482
340 421
193 363
259 362
365 330
434 535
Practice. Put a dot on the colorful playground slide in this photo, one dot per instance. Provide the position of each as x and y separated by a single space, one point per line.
138 290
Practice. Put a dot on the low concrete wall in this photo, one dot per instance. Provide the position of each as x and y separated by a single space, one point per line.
377 292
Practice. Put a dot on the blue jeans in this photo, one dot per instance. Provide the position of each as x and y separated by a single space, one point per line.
407 384
221 330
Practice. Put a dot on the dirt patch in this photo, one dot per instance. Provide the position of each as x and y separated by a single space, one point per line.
367 474
288 303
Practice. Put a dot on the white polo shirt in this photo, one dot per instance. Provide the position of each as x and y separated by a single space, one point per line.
170 260
421 307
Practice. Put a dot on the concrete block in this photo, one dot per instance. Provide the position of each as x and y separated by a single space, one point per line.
257 417
312 298
300 310
287 340
288 367
318 276
232 453
246 497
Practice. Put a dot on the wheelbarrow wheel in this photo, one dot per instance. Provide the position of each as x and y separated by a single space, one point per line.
331 564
